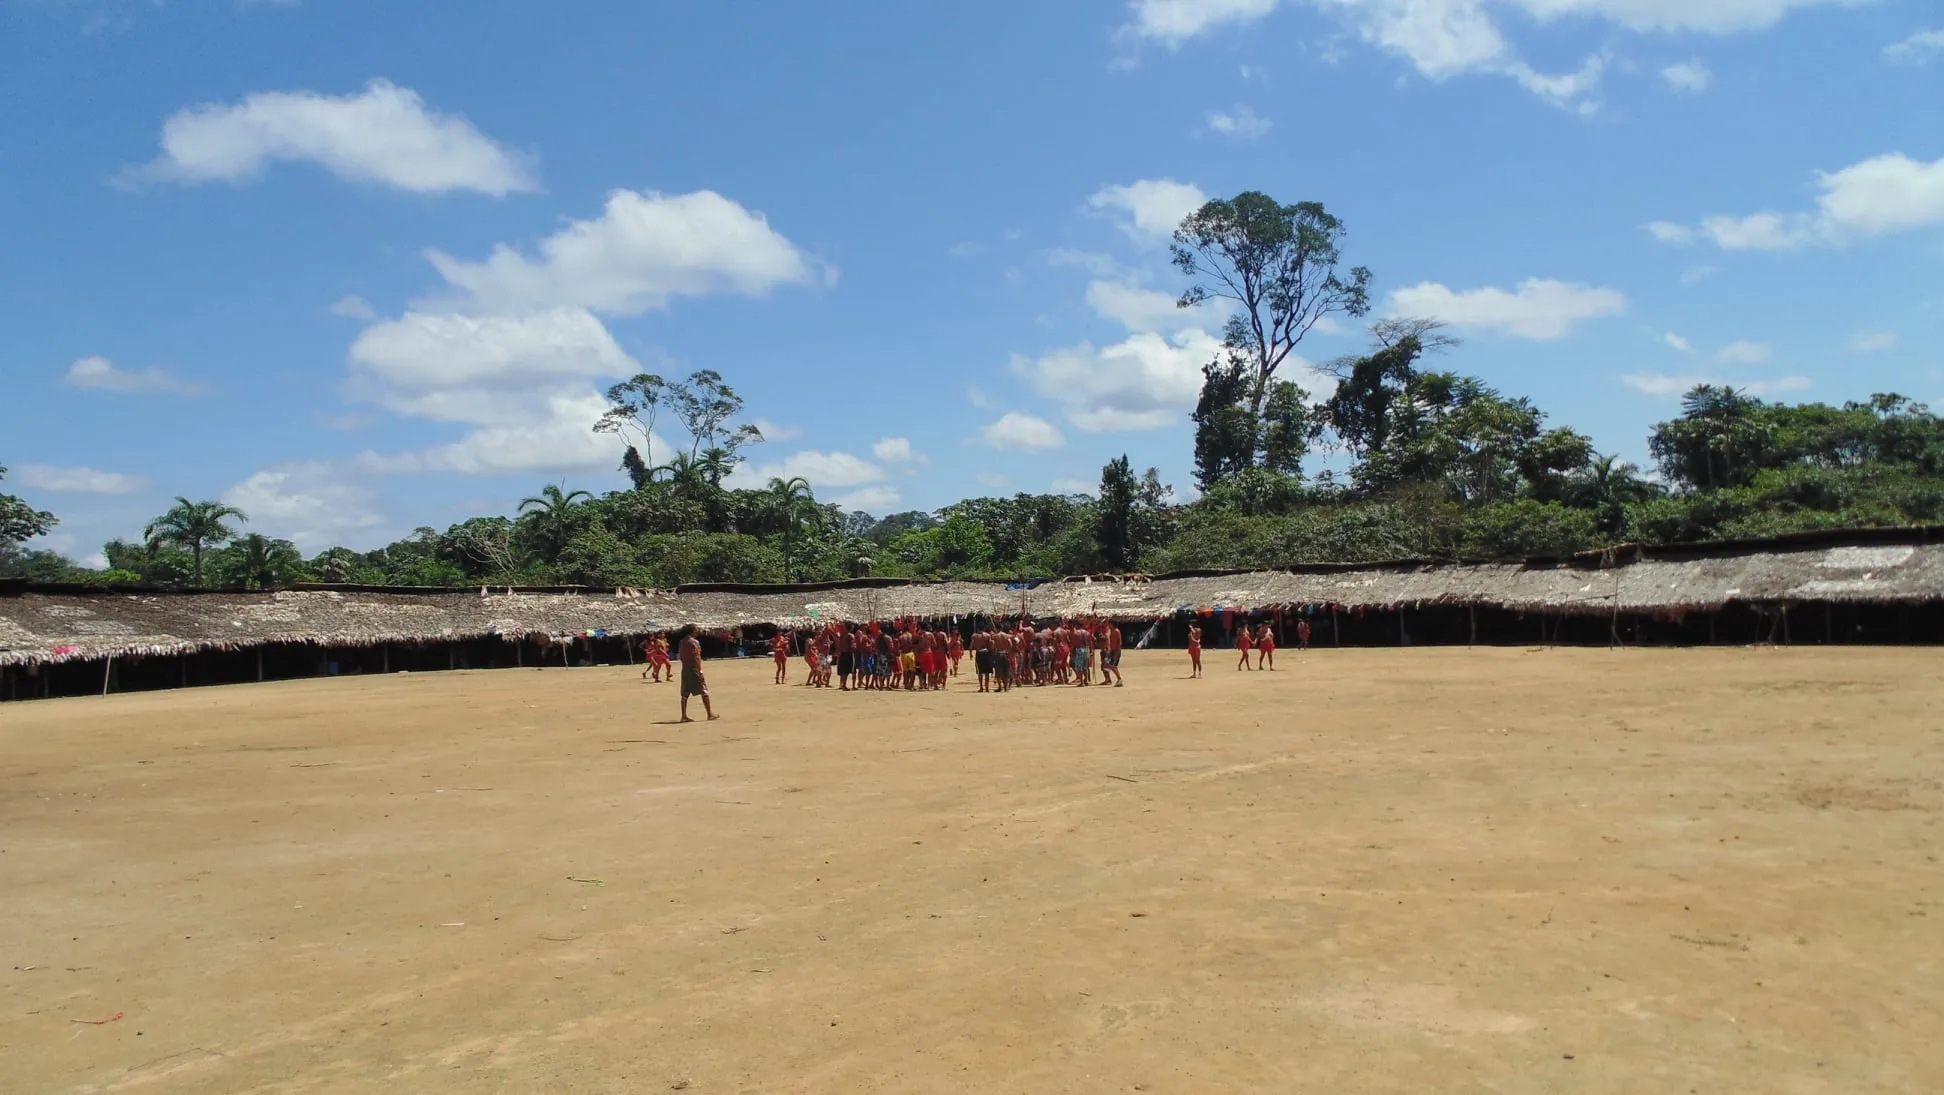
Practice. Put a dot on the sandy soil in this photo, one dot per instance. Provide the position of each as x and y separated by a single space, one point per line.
1376 870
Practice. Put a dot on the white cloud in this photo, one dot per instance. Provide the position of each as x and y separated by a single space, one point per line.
439 364
384 134
1154 207
773 431
819 469
100 374
977 398
1243 124
1074 486
1172 22
1870 342
353 307
1687 76
1540 308
869 499
1569 91
990 479
643 249
1669 232
1139 309
79 480
1023 432
1678 342
1143 382
1916 49
897 450
1695 273
1665 384
1744 352
522 381
1874 197
1093 262
313 503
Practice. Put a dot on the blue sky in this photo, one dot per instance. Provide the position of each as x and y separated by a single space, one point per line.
358 266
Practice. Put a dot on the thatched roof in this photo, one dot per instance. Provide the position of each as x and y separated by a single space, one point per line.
43 624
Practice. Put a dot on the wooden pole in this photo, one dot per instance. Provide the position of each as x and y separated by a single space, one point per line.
564 648
107 668
1336 637
519 655
1472 611
182 670
1829 632
627 644
1785 625
1402 638
385 657
259 653
452 657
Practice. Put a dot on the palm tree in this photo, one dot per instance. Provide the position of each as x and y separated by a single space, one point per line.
685 474
192 526
261 562
1607 485
715 463
791 503
553 515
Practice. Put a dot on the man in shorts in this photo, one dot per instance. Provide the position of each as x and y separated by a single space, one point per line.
1110 653
846 658
693 682
982 659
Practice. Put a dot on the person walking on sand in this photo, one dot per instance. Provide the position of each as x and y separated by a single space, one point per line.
1194 651
1266 648
1244 642
693 682
780 652
1110 654
1302 634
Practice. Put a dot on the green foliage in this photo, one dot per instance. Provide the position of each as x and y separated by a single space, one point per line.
258 562
20 521
194 527
1525 527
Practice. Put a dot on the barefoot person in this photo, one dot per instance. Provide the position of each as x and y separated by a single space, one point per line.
1194 650
1244 642
1266 648
693 683
780 653
1110 654
1302 634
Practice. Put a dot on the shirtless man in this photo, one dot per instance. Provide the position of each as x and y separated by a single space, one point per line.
1082 656
982 659
846 658
780 653
1110 656
693 683
1002 650
1194 650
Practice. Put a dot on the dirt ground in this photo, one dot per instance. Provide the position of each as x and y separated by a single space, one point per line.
1374 870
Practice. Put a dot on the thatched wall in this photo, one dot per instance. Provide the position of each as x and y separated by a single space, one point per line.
40 625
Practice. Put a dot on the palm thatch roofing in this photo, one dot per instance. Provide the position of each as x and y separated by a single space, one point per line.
41 624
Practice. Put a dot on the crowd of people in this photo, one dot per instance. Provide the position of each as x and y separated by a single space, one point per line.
891 656
907 656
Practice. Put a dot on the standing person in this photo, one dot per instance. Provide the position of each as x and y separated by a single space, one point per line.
1194 650
1002 643
887 660
780 653
1110 654
982 659
1244 642
846 658
1266 648
693 682
1082 655
1302 633
648 662
955 646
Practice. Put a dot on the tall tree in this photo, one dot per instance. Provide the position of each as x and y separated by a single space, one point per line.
633 406
553 517
791 503
706 404
1114 527
192 526
1278 267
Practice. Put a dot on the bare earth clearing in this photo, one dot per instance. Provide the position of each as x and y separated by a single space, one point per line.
1375 870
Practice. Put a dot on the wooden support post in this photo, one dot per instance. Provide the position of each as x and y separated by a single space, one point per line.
259 653
519 655
1472 612
107 668
182 670
384 660
1829 630
1402 638
1336 636
1542 625
627 646
1785 625
565 649
452 657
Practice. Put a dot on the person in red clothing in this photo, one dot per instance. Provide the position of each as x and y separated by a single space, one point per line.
1194 650
1302 634
1266 648
1244 642
780 652
956 648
